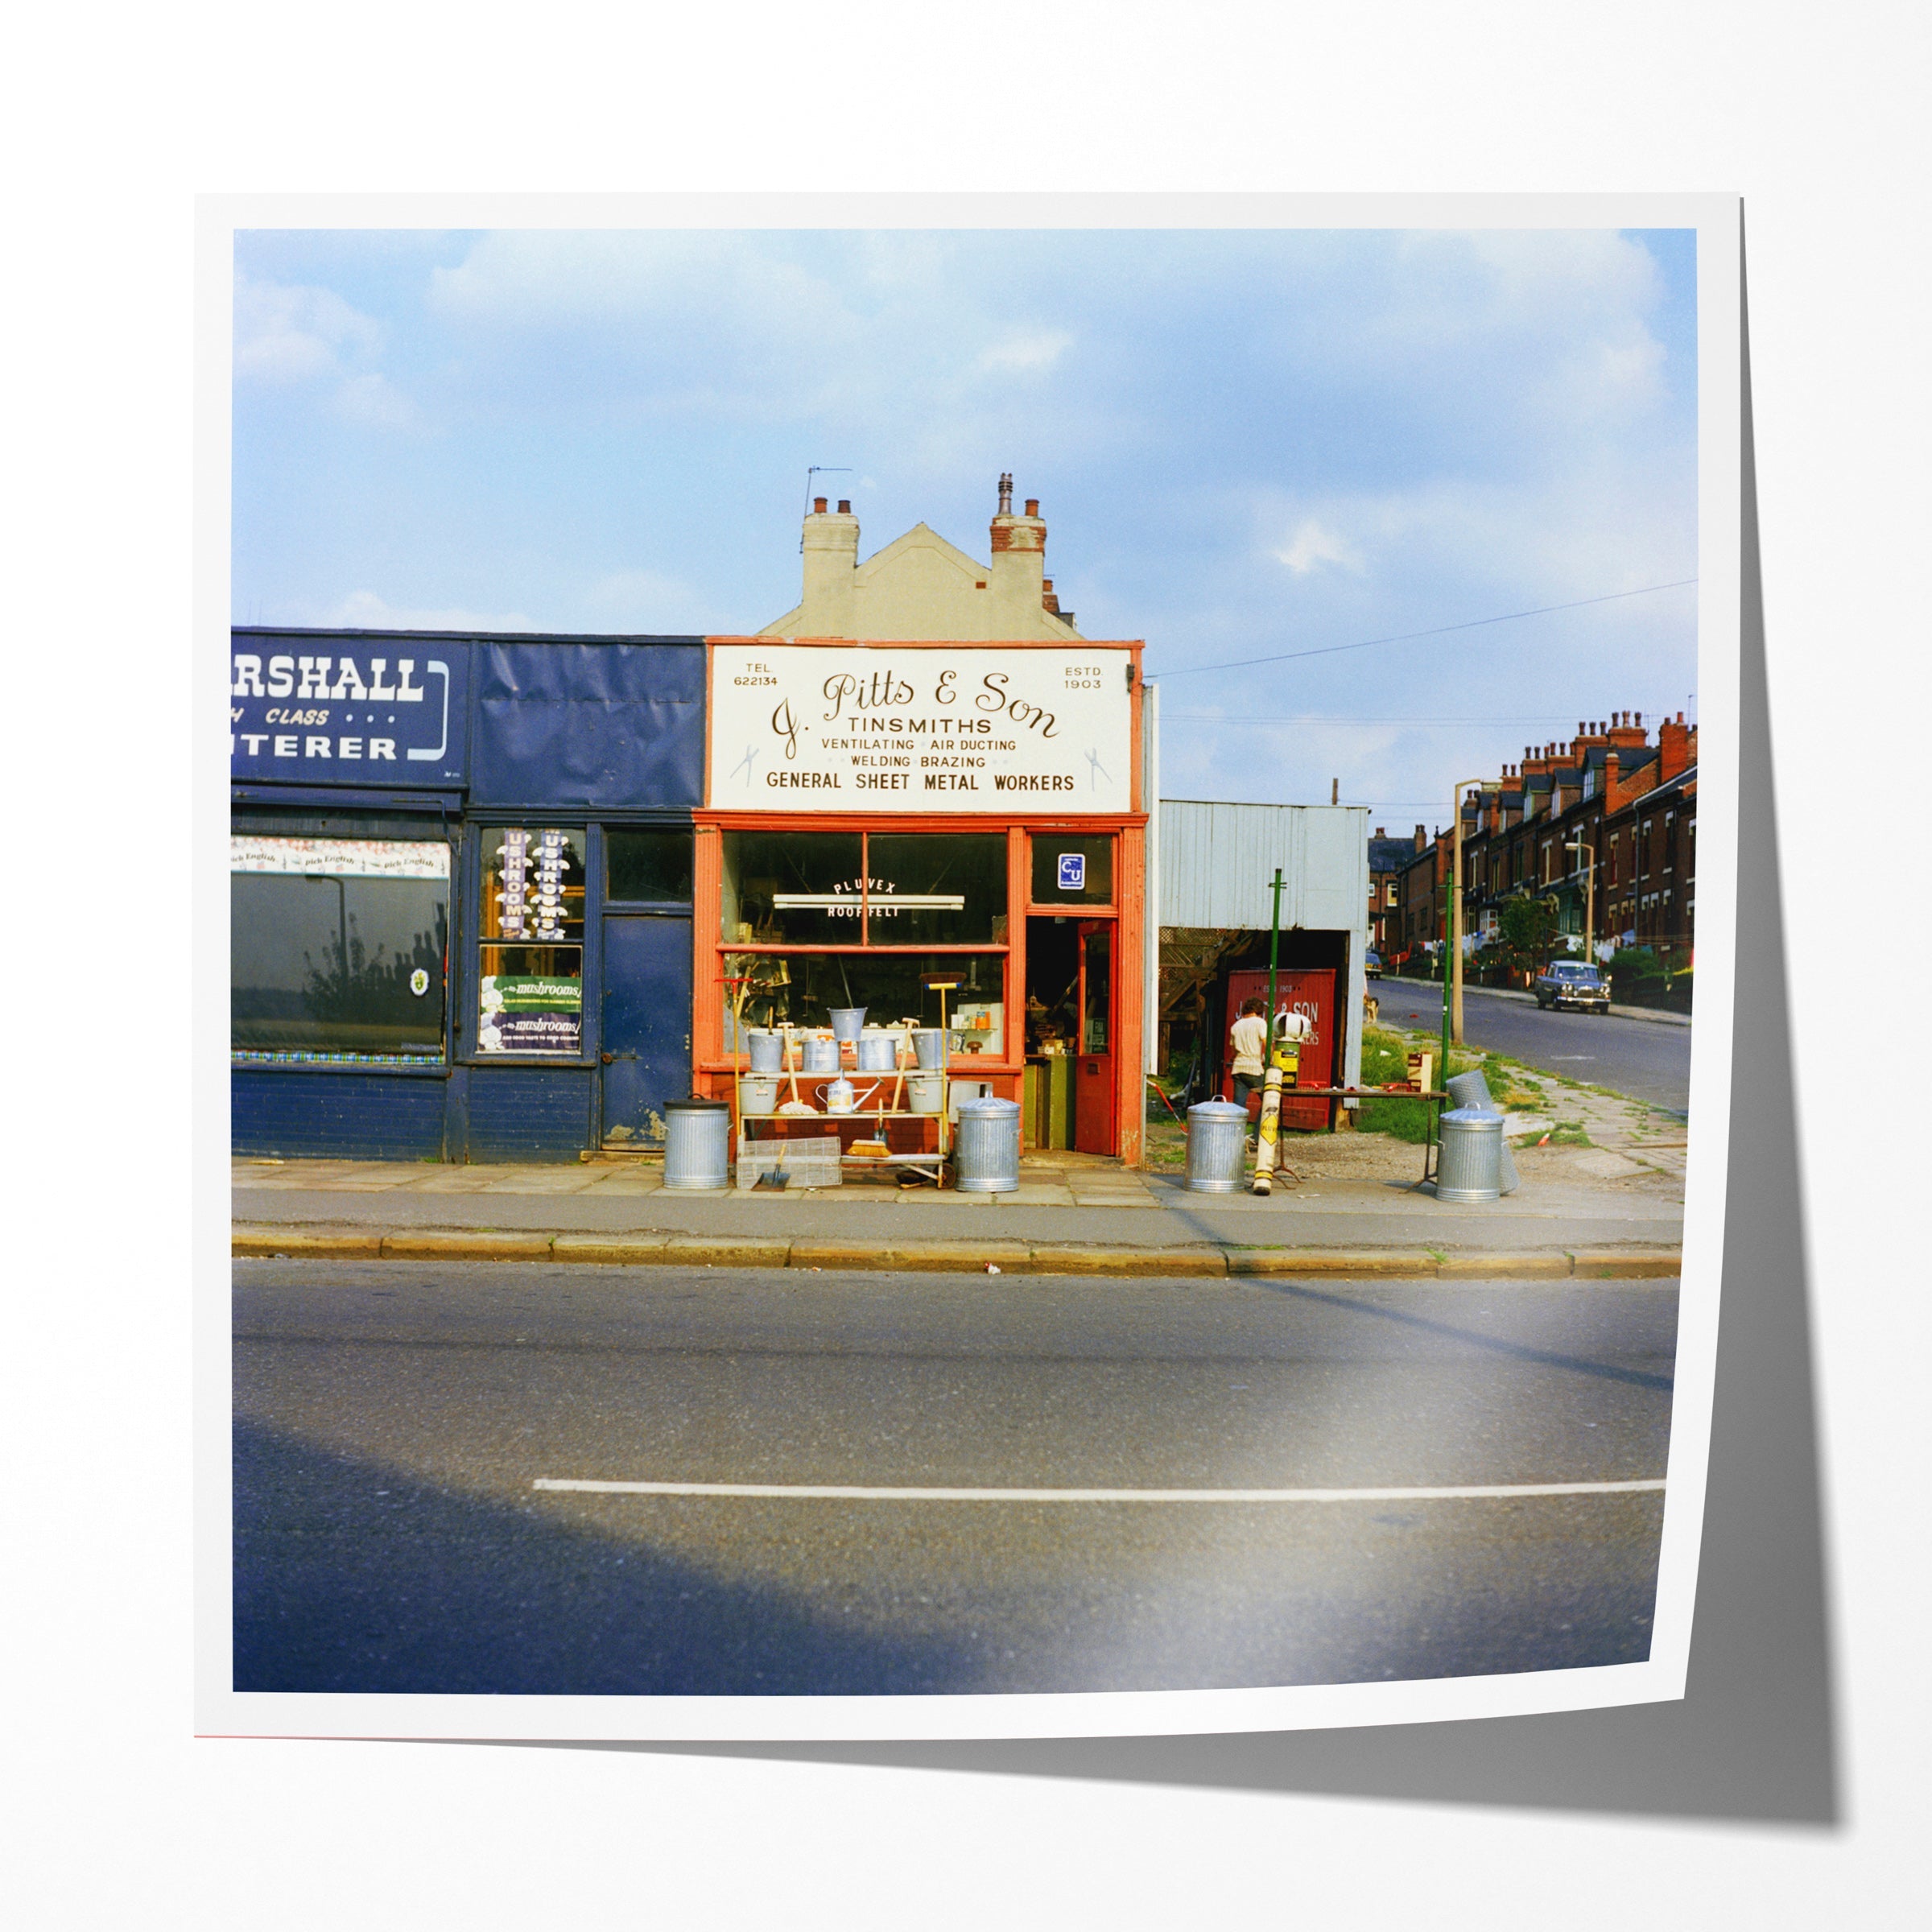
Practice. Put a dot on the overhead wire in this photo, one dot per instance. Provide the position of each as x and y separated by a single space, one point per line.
1405 636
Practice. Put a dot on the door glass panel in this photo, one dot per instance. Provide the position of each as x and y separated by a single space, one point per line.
1073 869
1099 947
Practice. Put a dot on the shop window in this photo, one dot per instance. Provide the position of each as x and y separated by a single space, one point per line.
648 863
793 888
530 976
801 990
338 949
869 890
1070 869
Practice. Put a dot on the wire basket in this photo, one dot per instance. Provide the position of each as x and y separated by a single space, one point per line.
808 1161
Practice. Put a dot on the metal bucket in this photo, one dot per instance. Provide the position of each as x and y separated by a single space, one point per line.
756 1095
1469 1166
767 1049
929 1043
1471 1090
878 1050
923 1092
821 1053
846 1023
988 1155
1217 1146
697 1144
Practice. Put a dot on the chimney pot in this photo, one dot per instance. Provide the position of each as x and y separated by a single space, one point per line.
845 506
1637 717
818 506
1046 583
1033 506
1006 492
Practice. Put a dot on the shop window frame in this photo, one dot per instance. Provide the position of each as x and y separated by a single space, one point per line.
465 1018
274 818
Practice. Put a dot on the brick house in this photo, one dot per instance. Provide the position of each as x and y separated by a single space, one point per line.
1631 804
1387 860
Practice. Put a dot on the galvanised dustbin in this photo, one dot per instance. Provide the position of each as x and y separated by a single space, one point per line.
1471 1090
987 1155
697 1144
1217 1146
1469 1166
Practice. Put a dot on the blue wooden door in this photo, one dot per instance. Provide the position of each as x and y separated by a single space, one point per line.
647 1044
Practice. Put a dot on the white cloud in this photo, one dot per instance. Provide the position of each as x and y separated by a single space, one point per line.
293 334
365 610
1038 348
1312 545
288 335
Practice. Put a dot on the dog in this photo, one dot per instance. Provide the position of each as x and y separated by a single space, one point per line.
1372 1008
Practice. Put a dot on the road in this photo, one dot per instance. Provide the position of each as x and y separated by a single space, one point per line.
1641 1058
393 1421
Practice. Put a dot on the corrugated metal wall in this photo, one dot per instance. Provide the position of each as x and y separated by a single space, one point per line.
1217 865
1217 873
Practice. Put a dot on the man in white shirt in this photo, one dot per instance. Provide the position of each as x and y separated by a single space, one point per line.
1248 1037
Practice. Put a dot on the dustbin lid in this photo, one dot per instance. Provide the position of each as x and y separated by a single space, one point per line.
1216 1110
1473 1116
989 1104
697 1106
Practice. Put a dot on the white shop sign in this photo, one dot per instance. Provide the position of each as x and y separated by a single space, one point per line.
814 728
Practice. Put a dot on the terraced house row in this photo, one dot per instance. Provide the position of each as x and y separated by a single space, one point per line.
1604 826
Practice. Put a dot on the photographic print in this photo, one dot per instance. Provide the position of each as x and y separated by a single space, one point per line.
972 984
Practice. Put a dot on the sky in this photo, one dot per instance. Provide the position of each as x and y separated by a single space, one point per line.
1245 443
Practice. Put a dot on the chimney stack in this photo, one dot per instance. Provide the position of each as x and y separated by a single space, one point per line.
1017 580
1422 838
831 555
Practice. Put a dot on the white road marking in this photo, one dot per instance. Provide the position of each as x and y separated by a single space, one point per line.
854 1492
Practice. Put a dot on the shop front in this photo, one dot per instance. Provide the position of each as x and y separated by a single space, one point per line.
460 891
948 837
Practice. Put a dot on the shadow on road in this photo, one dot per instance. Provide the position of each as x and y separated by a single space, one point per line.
352 1576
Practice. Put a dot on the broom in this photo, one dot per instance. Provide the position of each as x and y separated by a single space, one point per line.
795 1105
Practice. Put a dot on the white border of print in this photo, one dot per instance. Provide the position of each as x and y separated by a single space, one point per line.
221 1711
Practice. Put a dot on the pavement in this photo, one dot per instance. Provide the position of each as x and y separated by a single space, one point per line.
1351 1206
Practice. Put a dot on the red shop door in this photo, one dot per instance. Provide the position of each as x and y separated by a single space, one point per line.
1093 1082
1308 990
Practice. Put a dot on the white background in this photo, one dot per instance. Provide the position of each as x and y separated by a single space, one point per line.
118 1816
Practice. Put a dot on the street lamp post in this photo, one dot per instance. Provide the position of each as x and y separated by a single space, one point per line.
1455 926
1589 866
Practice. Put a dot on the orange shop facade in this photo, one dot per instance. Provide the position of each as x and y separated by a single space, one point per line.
878 817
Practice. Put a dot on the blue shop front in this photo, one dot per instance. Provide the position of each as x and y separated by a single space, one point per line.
460 891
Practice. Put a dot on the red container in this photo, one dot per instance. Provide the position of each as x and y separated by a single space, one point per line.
1310 991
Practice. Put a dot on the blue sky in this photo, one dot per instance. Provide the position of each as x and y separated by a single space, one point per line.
1244 442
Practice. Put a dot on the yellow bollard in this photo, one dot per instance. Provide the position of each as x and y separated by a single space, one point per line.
1270 1130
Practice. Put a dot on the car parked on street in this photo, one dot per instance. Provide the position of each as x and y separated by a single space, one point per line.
1371 965
1566 984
